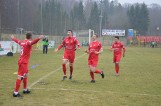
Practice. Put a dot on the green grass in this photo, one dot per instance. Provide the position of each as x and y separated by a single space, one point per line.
139 83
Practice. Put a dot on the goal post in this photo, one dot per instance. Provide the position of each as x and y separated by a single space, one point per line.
84 36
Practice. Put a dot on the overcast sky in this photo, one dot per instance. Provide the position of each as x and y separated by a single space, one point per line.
148 2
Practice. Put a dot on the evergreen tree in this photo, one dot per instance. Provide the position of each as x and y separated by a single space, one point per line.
139 18
81 16
93 21
105 9
144 19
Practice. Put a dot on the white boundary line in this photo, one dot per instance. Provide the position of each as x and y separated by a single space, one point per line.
93 91
52 72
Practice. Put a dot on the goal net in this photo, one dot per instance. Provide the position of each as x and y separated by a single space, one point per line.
84 36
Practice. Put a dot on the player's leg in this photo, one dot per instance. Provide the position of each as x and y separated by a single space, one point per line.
64 62
18 82
43 49
25 82
17 86
71 70
97 71
117 67
64 66
46 49
71 62
117 64
25 75
92 70
25 79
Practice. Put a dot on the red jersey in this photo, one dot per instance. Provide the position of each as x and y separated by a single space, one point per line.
94 46
26 47
70 44
118 46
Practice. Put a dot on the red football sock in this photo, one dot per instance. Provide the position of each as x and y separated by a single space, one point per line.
92 75
25 83
18 82
98 72
64 69
71 70
117 68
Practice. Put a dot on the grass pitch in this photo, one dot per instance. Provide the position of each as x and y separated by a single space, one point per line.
139 83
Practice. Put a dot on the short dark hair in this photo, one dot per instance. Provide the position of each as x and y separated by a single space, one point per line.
116 37
96 35
28 35
70 30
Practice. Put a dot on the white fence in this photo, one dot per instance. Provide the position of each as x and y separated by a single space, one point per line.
11 46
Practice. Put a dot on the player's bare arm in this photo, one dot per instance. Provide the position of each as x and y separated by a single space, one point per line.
59 47
12 37
111 49
86 51
99 52
124 49
35 40
78 47
56 50
41 36
123 54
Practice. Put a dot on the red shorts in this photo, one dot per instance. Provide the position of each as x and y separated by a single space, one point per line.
93 63
117 58
23 69
69 56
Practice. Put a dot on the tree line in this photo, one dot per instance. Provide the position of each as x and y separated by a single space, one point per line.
54 17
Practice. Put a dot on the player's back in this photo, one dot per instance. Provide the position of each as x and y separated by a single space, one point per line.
25 52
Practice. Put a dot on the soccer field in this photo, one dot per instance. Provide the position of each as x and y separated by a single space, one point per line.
139 83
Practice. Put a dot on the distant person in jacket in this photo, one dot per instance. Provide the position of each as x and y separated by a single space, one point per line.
45 45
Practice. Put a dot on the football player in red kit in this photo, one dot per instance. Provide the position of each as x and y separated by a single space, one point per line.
70 44
94 49
117 48
26 46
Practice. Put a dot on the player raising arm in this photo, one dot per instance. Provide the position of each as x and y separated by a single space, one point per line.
26 46
70 44
117 48
94 49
